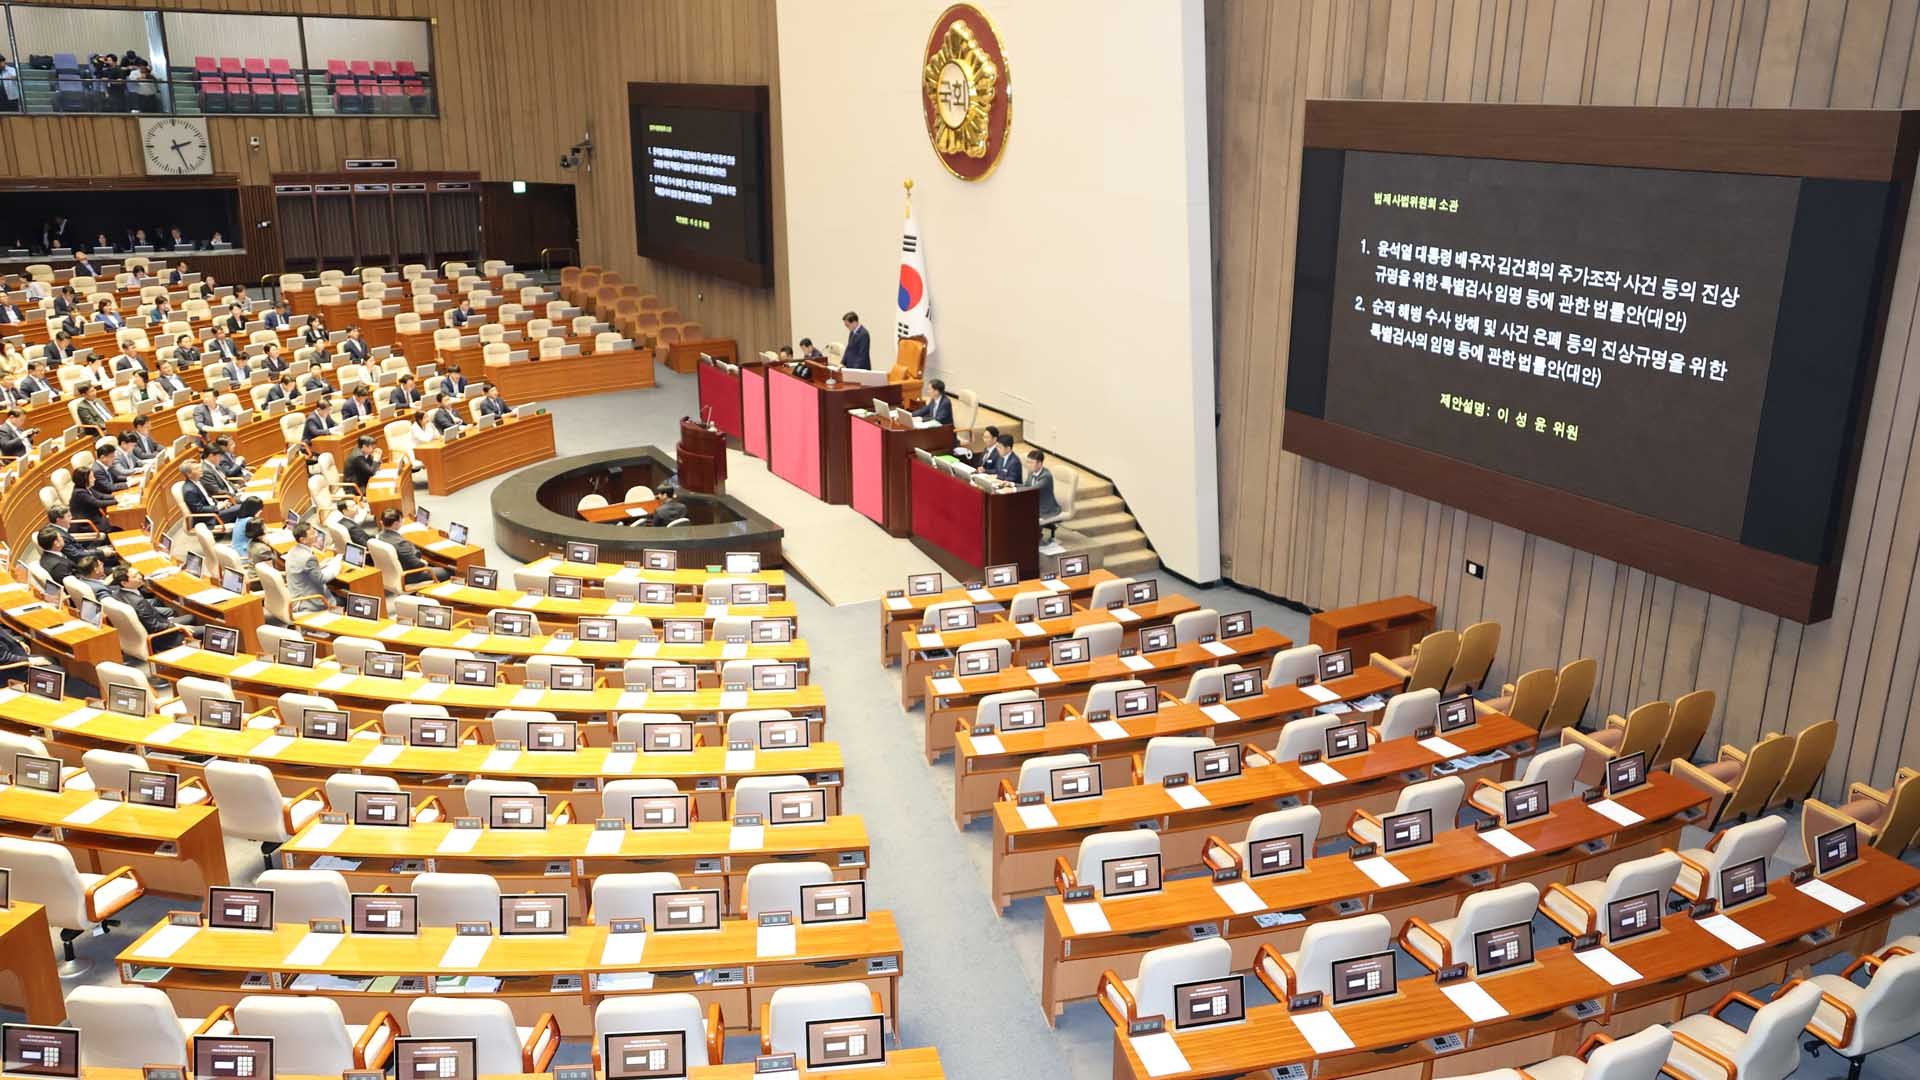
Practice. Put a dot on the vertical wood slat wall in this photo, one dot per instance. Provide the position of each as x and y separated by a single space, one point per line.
518 83
1319 535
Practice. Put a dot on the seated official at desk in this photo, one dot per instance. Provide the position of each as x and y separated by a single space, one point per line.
938 407
443 418
806 350
405 395
1001 461
858 353
307 575
453 382
320 420
16 438
210 414
493 403
670 510
1039 476
203 507
360 404
415 567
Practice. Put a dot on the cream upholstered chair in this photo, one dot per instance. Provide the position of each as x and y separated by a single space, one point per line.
1430 664
1103 639
1639 732
1557 767
1162 969
501 1046
744 726
130 1027
1206 681
1857 1020
341 787
632 727
1002 649
1190 626
1580 908
252 808
446 899
1602 1057
352 651
1408 713
1304 734
1700 867
776 886
44 873
311 1038
629 896
1769 1049
1294 664
705 1033
1101 695
1109 592
1438 944
1739 781
112 770
1310 968
481 789
1302 821
752 794
616 798
300 895
1100 847
785 1016
1441 795
1034 771
1167 755
987 710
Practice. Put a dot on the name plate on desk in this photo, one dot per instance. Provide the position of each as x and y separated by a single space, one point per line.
765 1065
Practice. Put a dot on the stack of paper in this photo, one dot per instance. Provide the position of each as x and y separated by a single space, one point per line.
623 949
458 841
1159 1054
1087 917
464 952
775 941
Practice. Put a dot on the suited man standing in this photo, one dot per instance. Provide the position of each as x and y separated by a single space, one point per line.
859 344
493 404
355 346
939 407
444 418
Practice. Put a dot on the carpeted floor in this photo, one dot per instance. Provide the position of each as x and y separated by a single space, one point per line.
973 977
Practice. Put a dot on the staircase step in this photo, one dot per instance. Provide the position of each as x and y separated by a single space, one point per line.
1103 545
1097 505
1135 563
1101 524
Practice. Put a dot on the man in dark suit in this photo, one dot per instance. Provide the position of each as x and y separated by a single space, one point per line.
415 567
443 417
224 467
360 404
127 361
225 355
178 275
279 317
493 404
35 380
362 463
1008 467
71 324
210 414
355 346
10 313
186 352
462 314
315 379
350 515
201 507
83 265
60 520
404 395
859 344
16 438
453 382
64 302
670 508
281 390
319 420
90 412
53 560
145 446
60 349
168 382
939 407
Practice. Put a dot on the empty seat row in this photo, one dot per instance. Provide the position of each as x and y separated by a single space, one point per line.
256 94
232 65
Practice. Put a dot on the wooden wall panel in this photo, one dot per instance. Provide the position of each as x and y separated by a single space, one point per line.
518 83
1318 535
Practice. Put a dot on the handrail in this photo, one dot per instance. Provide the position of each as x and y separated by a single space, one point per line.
546 264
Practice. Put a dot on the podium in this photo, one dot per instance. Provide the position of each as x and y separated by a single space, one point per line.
702 456
809 440
881 452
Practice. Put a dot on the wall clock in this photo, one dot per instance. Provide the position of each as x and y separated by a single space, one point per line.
176 146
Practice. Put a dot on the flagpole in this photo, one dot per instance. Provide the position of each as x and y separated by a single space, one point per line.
909 182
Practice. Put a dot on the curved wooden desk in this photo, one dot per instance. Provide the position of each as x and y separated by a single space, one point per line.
461 596
485 452
898 614
206 971
566 858
177 852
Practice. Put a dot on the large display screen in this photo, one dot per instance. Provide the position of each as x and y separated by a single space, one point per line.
701 194
1666 365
